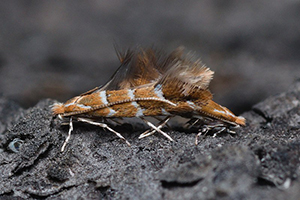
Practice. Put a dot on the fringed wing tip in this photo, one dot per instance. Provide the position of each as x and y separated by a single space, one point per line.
57 108
188 76
240 120
197 78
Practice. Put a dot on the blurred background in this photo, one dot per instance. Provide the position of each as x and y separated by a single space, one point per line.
59 49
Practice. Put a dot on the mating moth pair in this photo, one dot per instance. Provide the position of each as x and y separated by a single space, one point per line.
151 84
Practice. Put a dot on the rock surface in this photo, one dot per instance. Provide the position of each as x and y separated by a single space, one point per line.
260 161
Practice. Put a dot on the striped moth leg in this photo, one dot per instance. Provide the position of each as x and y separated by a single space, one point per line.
210 125
103 125
206 128
87 120
155 129
152 131
69 135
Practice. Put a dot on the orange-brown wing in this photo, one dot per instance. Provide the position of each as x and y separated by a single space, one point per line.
186 77
140 68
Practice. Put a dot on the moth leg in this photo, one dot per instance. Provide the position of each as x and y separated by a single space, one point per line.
188 126
204 131
117 121
148 132
157 129
69 135
103 126
160 120
231 131
207 128
221 130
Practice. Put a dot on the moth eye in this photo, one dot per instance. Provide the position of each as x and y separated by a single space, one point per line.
15 145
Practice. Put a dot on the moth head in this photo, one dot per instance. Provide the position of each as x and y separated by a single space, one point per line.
58 109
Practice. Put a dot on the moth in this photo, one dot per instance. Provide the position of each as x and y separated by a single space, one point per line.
150 83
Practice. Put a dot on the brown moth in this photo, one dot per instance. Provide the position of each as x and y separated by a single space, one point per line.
149 84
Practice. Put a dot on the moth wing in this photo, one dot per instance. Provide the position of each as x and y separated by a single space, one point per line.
187 76
139 68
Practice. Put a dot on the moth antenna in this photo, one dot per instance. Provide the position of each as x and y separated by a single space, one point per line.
97 107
